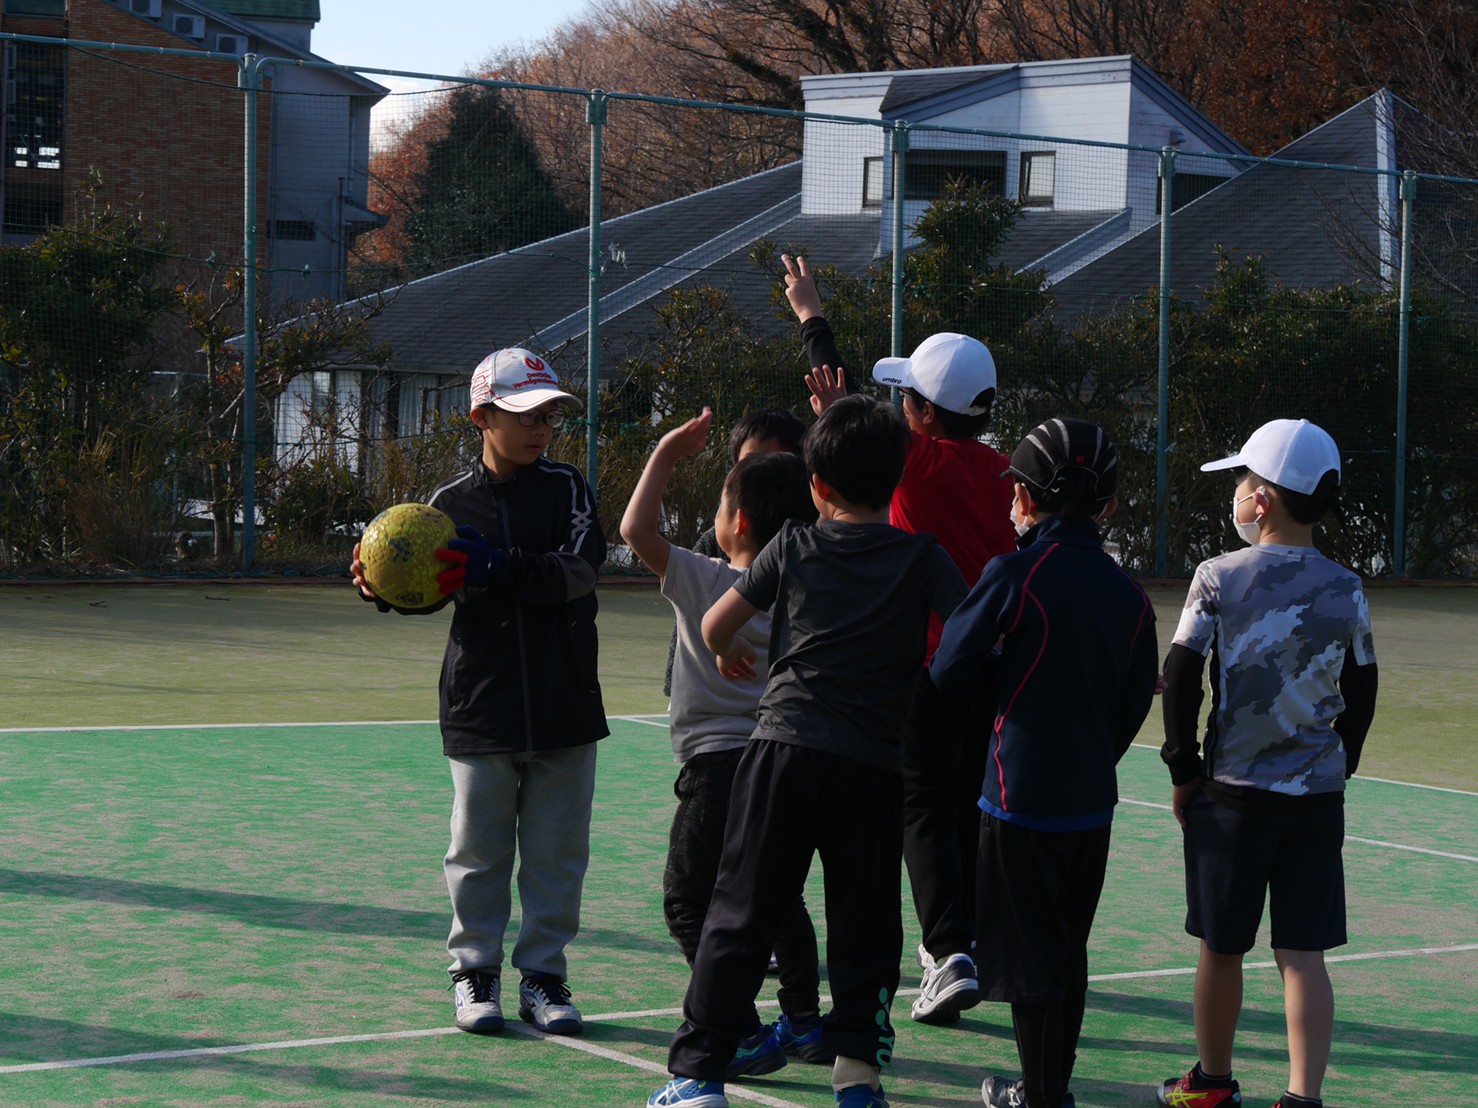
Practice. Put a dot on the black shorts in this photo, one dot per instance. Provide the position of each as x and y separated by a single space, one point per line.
1036 893
1237 851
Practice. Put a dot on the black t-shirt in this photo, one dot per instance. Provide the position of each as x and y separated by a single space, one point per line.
850 622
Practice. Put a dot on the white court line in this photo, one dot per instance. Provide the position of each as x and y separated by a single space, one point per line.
1348 838
651 1013
221 726
650 721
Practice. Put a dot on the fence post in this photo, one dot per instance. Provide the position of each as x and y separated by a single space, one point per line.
595 115
900 154
249 80
1162 446
1403 366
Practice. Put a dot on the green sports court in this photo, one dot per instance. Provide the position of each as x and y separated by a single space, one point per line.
225 809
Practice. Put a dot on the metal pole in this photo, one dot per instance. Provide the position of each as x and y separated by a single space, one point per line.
900 156
1403 367
595 115
249 82
1162 446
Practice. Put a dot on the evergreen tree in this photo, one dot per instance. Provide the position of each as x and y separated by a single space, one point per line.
482 190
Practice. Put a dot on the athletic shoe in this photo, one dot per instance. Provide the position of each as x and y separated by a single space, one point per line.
1185 1092
1001 1092
759 1053
689 1092
948 988
924 958
544 1001
803 1039
861 1096
475 994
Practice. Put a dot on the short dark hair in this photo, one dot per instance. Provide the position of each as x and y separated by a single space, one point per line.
958 425
767 423
1306 507
770 489
858 447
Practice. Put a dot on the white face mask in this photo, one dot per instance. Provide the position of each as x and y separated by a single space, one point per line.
1249 532
1021 528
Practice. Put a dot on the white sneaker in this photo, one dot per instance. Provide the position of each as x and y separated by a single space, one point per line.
924 959
948 988
476 996
544 1001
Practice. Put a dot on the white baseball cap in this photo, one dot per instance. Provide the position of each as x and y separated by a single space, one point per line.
1292 453
947 369
516 380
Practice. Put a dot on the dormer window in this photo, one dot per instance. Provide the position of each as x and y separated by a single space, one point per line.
926 171
1038 178
872 182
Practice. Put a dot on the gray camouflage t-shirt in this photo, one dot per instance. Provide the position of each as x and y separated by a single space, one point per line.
1278 621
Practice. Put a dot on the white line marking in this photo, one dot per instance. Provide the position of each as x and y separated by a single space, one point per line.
1348 838
1358 777
222 726
652 1013
650 721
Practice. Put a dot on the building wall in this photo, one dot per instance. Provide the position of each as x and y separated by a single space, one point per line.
164 132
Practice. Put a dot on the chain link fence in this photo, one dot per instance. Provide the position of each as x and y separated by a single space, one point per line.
168 409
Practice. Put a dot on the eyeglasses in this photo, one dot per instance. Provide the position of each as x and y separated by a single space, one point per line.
553 419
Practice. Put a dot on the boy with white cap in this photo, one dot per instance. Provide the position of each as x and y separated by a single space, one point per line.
951 488
1261 801
521 706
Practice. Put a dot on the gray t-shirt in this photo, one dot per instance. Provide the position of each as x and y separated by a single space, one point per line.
851 604
1278 622
709 712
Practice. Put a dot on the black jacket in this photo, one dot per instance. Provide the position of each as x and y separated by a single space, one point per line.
519 672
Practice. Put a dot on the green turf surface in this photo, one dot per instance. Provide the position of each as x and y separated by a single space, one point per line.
97 655
205 888
225 889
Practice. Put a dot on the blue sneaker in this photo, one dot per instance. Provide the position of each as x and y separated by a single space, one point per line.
689 1092
861 1096
759 1053
802 1039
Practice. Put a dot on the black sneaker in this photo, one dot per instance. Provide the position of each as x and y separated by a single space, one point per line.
948 988
1001 1092
476 997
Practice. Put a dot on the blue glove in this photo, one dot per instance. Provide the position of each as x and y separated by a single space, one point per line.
470 561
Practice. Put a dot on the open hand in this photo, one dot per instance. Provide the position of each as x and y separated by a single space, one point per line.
356 571
800 288
690 438
827 387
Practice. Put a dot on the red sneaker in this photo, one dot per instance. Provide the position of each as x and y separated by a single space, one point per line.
1184 1092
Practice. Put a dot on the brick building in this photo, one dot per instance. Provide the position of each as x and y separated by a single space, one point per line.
166 131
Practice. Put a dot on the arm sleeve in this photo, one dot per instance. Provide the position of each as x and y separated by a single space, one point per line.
760 584
1182 706
966 655
568 572
947 586
1138 693
1357 684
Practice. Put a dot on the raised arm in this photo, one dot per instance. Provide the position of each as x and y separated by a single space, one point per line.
641 523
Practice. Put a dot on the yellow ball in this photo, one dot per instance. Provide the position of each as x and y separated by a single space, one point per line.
399 554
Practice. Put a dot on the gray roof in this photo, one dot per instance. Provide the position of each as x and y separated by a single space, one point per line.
909 88
1314 227
537 295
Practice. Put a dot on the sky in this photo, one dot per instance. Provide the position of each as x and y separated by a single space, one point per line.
432 36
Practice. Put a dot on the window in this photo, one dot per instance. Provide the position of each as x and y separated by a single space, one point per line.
36 7
1038 178
1185 187
38 79
32 207
926 171
872 182
294 230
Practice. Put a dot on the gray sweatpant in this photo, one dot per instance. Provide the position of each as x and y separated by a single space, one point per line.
539 804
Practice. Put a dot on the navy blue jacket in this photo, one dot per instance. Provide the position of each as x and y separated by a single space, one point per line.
1075 674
